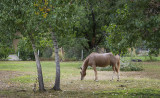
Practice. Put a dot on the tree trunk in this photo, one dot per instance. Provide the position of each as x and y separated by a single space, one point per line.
39 69
57 80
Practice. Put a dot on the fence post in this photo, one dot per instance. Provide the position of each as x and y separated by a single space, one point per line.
18 54
82 54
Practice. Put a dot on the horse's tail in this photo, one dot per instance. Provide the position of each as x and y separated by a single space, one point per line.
118 62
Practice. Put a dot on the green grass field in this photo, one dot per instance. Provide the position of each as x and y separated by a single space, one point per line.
18 77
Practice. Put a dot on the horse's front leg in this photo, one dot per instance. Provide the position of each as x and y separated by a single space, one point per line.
95 71
118 76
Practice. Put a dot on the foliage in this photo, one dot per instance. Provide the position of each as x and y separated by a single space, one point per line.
132 23
25 50
91 17
154 51
4 52
72 48
47 52
23 19
128 65
131 67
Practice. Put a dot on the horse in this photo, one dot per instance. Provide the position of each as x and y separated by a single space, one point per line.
101 60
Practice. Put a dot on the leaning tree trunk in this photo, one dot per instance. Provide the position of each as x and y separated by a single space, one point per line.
57 80
39 69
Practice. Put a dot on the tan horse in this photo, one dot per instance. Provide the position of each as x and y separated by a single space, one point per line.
101 60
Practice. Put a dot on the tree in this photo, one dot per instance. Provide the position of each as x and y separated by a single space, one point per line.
132 22
57 80
90 18
22 18
39 69
58 20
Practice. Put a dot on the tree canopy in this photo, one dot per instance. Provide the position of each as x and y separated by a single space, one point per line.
132 23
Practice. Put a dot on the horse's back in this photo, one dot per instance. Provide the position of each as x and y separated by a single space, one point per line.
100 60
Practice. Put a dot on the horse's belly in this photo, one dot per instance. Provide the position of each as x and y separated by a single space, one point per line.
102 64
102 61
99 61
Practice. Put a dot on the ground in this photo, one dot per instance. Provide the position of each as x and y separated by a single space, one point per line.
17 79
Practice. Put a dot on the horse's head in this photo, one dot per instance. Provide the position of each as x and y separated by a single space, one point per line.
83 74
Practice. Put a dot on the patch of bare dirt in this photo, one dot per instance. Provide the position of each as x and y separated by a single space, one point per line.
107 75
5 76
9 74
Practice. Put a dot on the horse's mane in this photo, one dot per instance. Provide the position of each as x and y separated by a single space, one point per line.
85 63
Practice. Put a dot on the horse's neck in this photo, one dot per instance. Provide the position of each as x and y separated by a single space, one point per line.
84 68
85 65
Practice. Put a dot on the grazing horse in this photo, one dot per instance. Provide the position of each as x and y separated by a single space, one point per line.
101 60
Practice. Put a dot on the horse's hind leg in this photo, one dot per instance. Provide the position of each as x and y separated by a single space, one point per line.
95 71
117 73
113 67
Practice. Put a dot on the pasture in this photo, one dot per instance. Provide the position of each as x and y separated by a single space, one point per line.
17 79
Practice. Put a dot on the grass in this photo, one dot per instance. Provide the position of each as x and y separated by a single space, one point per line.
131 93
18 77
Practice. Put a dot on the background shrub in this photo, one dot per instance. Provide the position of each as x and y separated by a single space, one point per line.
127 65
4 52
47 52
25 50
